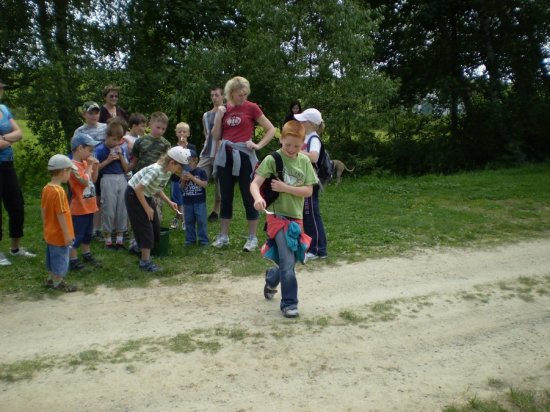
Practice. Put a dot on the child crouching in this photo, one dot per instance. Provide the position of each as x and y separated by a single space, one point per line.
58 225
148 182
284 225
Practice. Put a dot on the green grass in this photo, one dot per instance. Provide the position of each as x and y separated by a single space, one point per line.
515 401
365 217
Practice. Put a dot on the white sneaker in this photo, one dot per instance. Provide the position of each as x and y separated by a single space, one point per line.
311 256
251 244
290 313
23 252
221 241
183 227
4 260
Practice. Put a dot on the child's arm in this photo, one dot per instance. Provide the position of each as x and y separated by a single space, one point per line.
163 196
93 169
313 156
195 179
298 191
139 189
123 162
259 201
65 229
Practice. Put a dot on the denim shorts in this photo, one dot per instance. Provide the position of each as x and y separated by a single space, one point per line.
57 259
83 229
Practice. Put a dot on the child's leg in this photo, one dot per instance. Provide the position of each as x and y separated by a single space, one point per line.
121 216
202 222
190 232
286 273
57 262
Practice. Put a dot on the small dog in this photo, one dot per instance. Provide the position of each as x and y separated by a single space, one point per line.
339 168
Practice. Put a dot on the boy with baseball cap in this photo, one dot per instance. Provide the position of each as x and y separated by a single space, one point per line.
57 223
142 187
83 199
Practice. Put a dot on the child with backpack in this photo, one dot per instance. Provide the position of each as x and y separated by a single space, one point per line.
286 243
312 121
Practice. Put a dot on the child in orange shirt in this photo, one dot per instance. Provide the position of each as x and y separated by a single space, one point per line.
58 226
83 200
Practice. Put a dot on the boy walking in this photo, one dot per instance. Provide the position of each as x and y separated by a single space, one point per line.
194 183
83 200
57 223
113 165
142 187
287 242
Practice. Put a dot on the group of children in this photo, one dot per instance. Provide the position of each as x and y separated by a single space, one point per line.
133 173
123 175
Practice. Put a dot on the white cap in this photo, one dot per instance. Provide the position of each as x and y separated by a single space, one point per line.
59 162
179 154
310 115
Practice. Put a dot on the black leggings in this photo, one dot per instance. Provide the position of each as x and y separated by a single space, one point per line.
227 187
12 198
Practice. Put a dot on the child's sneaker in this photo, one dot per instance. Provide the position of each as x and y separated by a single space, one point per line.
175 223
221 241
62 286
75 264
89 259
4 261
148 266
22 252
183 227
290 312
251 244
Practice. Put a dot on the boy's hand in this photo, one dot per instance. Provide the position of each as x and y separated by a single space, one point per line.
278 186
150 213
92 160
174 206
259 204
221 110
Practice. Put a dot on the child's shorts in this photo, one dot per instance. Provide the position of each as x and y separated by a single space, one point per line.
57 259
177 194
83 229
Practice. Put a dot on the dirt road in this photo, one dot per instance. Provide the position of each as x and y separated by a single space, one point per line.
411 333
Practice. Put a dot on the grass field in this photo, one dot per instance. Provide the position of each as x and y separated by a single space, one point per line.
365 217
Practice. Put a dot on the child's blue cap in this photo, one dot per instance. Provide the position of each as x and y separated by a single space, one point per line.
193 153
83 139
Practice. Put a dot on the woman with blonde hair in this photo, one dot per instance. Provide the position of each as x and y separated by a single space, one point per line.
236 159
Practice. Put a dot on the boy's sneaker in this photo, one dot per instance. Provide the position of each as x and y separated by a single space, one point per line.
89 259
269 292
148 266
62 286
290 313
251 244
213 217
23 252
175 223
221 241
75 264
183 227
4 260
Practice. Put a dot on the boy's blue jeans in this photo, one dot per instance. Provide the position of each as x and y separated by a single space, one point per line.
195 214
284 274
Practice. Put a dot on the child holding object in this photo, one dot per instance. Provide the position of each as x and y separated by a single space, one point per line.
194 183
287 243
148 182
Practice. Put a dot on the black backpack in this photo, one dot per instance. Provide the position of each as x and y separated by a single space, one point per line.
324 166
265 189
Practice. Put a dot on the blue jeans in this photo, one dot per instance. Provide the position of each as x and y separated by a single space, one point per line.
313 224
285 274
195 214
57 259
